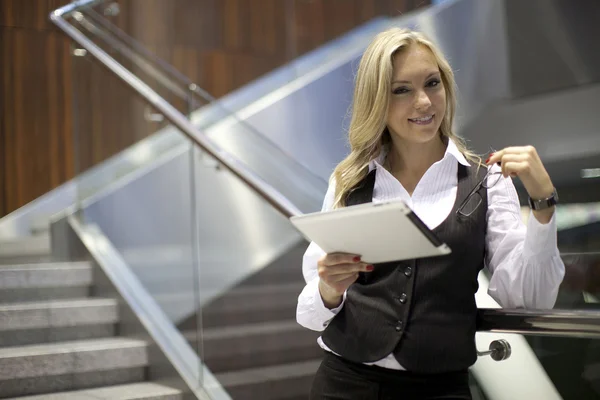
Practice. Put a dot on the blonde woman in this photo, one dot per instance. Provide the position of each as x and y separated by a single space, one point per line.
406 330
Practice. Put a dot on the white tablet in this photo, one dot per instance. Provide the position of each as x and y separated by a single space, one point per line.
378 232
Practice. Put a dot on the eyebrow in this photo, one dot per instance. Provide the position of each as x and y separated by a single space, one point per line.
428 76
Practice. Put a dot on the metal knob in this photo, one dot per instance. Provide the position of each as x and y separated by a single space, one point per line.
112 10
499 350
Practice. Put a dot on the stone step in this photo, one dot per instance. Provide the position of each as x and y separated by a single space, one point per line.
270 302
38 245
45 275
26 259
58 320
63 366
39 224
44 281
257 345
43 294
262 296
285 381
134 391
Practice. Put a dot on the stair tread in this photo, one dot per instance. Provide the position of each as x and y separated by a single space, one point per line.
62 303
50 265
57 313
274 287
71 346
43 238
28 245
244 330
141 390
17 276
267 374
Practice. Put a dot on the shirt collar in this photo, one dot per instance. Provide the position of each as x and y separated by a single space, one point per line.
451 150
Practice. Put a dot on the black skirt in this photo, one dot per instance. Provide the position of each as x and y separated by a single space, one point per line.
340 379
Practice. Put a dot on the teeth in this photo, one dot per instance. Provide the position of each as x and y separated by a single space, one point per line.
424 119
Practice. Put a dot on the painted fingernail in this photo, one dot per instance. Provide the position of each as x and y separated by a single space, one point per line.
370 267
356 259
488 160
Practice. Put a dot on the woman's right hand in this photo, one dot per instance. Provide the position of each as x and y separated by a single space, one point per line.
337 271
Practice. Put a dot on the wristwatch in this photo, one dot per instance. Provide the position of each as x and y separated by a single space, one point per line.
544 203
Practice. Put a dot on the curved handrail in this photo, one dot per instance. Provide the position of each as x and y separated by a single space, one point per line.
536 322
257 184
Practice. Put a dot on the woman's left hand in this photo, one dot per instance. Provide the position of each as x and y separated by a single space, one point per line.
524 163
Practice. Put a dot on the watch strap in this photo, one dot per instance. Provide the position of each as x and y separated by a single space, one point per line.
544 203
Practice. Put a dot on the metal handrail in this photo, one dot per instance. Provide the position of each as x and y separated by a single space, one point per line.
582 324
257 184
565 323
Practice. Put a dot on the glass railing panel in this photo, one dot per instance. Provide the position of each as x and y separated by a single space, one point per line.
573 364
276 167
250 278
135 188
539 367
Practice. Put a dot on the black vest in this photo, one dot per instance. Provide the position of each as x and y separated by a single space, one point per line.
423 311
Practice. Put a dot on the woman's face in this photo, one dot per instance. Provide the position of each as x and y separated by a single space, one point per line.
418 99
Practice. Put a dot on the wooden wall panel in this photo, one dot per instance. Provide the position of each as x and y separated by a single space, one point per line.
36 134
48 96
29 14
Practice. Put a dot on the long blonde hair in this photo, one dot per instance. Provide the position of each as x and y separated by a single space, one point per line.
368 132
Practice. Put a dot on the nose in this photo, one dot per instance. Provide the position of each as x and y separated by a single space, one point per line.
422 102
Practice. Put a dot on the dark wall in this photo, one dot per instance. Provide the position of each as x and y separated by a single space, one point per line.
220 44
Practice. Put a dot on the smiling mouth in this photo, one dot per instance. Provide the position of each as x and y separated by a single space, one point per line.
423 120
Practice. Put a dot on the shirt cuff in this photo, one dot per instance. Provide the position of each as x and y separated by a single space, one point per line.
325 314
541 239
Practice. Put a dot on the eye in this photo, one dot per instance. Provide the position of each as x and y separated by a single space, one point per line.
433 83
400 90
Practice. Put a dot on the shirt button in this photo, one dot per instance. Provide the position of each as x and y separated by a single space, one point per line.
399 326
408 271
402 298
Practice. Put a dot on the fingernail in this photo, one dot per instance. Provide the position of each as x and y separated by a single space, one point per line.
356 259
488 160
370 267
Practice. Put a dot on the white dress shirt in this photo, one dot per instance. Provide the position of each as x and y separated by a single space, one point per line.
524 261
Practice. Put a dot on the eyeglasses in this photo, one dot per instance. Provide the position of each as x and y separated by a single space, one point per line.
473 200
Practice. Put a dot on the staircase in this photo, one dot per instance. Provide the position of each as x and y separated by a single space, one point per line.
251 340
58 342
